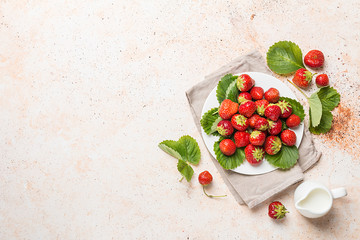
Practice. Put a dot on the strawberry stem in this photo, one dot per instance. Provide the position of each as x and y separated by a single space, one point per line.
298 89
181 179
211 196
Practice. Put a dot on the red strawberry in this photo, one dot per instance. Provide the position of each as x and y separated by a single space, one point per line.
286 108
257 93
314 59
277 210
225 128
272 145
288 137
205 178
261 105
247 108
253 120
244 96
257 138
242 139
227 147
322 80
261 124
293 121
253 154
272 95
302 78
274 127
228 108
239 122
273 112
244 82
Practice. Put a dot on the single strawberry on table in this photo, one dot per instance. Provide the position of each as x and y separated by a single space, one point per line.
277 210
261 124
225 128
254 154
247 108
288 137
227 147
257 93
272 95
242 139
286 108
272 145
244 82
274 127
239 122
243 97
302 78
293 121
261 105
205 178
273 112
227 109
253 119
257 138
314 59
322 80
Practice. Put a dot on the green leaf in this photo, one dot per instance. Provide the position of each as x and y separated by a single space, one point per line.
325 123
329 98
284 126
170 147
185 169
229 162
189 149
209 121
284 57
315 109
297 108
285 158
227 89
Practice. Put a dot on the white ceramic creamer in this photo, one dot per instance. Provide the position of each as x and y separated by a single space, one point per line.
314 200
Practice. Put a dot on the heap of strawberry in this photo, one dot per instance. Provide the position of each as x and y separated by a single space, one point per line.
255 122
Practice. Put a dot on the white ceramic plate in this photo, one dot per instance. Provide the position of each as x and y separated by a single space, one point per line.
265 81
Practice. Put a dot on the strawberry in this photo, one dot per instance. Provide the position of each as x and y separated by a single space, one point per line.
274 127
272 95
286 108
257 138
253 154
277 210
322 80
239 122
273 112
205 178
314 59
244 82
257 93
261 124
225 128
244 96
293 121
247 108
272 145
227 109
242 139
302 78
288 137
227 147
253 120
261 105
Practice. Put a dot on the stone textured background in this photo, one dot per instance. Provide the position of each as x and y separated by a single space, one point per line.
89 88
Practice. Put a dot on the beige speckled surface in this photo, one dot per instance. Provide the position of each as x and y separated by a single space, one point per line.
88 89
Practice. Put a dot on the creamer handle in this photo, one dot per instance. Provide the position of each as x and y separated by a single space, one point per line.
338 192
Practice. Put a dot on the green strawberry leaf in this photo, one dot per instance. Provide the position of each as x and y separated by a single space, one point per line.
229 162
226 88
209 121
284 57
285 158
315 109
325 123
185 169
189 149
170 147
329 98
297 108
284 126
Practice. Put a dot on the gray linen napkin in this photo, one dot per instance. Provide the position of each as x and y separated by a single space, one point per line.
252 190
